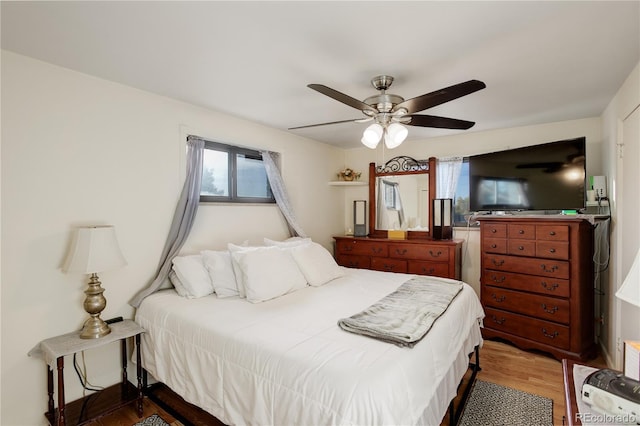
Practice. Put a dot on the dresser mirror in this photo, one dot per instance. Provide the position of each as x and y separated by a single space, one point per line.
401 193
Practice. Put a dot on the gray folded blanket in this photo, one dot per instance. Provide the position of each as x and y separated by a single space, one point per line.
405 316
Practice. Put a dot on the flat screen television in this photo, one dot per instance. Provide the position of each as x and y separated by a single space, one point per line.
546 177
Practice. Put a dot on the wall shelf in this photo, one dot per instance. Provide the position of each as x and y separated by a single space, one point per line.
348 183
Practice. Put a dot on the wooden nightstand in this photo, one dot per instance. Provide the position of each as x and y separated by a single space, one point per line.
98 404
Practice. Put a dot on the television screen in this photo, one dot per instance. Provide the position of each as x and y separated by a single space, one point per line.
546 177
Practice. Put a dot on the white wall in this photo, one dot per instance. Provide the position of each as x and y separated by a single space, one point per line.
81 150
471 143
623 319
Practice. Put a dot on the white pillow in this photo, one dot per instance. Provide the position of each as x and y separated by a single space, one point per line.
177 285
291 242
316 263
193 275
236 268
269 272
218 264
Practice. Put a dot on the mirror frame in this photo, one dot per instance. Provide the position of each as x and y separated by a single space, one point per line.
401 165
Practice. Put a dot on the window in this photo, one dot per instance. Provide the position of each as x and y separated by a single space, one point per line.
232 174
461 199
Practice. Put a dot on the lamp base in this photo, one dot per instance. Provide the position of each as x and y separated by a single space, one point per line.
95 302
94 328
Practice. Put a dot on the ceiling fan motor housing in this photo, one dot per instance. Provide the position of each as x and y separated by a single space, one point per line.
383 102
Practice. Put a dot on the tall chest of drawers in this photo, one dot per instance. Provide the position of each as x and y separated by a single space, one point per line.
421 257
537 284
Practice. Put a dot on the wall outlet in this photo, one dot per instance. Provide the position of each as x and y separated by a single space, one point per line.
599 184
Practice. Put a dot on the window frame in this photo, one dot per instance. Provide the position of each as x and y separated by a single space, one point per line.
232 175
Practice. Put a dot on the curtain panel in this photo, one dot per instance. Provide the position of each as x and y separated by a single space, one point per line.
183 219
280 193
447 173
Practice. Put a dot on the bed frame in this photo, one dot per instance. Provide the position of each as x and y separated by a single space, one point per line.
189 414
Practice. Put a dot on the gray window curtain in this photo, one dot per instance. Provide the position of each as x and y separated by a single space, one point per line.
280 193
447 174
183 218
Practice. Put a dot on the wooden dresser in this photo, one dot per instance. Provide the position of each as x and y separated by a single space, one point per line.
441 258
537 283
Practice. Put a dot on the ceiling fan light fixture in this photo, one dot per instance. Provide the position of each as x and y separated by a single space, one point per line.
372 135
394 135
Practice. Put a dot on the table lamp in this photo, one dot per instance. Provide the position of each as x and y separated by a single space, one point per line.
94 249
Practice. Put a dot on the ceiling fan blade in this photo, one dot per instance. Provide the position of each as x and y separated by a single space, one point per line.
356 120
341 97
441 96
438 122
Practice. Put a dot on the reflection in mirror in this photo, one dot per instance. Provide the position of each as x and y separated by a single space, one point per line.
402 202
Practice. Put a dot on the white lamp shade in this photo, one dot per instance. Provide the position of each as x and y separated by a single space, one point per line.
372 135
630 289
94 249
395 135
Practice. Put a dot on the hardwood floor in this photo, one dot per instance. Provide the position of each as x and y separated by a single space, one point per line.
501 363
127 416
531 372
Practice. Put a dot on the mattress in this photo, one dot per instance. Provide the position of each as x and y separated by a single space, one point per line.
286 361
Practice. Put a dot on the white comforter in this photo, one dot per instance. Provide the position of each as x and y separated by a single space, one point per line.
286 361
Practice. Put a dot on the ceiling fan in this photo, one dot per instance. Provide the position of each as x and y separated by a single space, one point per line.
390 113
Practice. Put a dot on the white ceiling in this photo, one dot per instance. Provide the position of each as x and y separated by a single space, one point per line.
541 61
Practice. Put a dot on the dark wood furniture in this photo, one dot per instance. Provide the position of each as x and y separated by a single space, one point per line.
571 406
419 253
421 257
101 403
537 283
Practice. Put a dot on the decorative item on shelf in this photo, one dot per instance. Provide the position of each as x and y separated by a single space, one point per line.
349 175
442 219
94 249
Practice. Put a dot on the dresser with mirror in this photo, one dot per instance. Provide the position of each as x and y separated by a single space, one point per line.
401 194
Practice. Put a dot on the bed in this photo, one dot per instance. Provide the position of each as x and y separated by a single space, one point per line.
286 361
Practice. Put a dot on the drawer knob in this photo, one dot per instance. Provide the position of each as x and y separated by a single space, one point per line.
550 287
552 250
552 233
520 248
521 231
493 231
549 335
497 262
401 252
437 254
498 299
494 246
552 269
549 311
498 279
429 271
498 320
